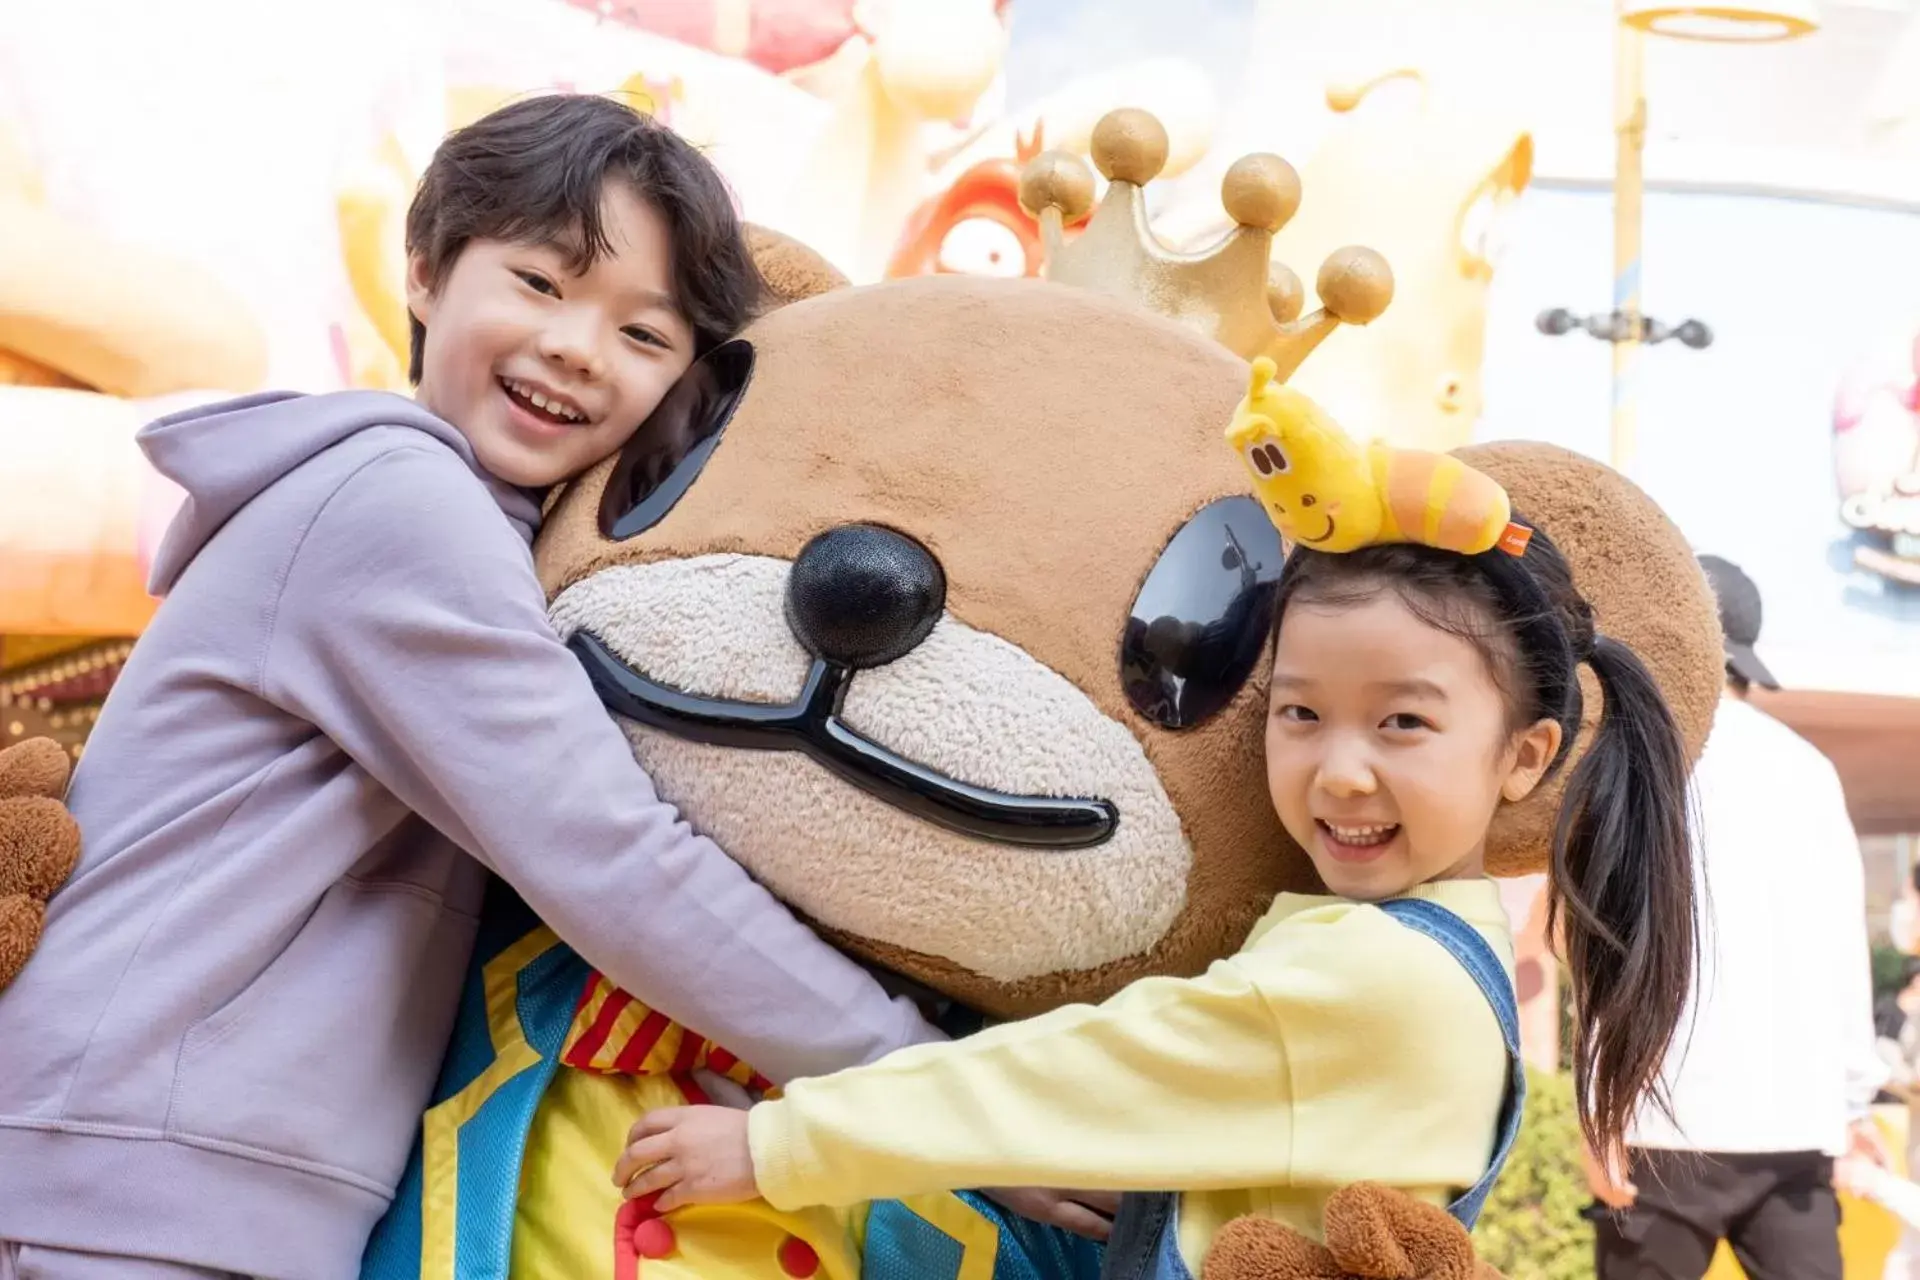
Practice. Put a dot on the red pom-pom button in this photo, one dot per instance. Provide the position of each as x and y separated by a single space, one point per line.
653 1239
798 1259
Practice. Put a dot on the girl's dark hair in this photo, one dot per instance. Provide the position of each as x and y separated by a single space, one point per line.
536 170
1621 870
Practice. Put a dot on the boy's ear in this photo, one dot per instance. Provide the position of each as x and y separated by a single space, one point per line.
419 296
793 272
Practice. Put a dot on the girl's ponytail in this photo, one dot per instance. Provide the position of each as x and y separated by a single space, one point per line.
1621 894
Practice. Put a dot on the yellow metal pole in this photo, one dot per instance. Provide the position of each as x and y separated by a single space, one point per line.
1630 133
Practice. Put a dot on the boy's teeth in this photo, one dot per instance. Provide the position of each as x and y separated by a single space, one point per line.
539 401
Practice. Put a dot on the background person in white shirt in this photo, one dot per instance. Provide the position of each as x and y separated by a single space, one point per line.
1903 921
1774 1073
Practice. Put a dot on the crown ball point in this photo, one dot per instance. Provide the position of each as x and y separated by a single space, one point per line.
1355 285
1286 296
1056 180
1344 96
1260 191
1129 145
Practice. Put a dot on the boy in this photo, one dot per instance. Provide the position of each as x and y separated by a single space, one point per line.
349 709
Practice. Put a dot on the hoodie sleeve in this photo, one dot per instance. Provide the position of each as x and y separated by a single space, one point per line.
411 630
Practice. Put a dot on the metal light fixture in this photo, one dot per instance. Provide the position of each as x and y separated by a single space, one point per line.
1753 23
1626 327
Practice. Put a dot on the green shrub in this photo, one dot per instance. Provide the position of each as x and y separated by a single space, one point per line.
1889 970
1531 1228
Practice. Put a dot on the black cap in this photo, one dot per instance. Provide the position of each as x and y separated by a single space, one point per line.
1739 603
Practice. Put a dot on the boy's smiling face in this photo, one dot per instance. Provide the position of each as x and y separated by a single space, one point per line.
547 367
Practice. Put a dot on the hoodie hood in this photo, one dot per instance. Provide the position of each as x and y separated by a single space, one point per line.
225 454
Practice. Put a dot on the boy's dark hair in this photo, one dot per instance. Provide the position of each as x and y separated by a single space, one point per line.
535 171
1620 877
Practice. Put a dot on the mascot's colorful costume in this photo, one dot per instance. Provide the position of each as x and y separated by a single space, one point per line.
949 627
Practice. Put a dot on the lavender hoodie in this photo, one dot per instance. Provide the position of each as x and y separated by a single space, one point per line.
348 710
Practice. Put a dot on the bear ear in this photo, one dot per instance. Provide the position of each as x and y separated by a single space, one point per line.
793 271
1634 566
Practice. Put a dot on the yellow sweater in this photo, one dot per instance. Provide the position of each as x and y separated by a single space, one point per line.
1337 1046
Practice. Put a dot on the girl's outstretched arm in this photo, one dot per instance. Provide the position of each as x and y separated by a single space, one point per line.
1343 1047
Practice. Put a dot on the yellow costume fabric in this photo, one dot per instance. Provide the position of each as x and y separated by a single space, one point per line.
620 1060
1337 1046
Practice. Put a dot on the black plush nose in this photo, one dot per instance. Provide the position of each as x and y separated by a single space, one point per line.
862 596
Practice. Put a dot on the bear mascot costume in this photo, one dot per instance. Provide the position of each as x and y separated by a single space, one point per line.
942 606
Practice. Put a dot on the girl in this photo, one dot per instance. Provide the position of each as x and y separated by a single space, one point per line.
1414 691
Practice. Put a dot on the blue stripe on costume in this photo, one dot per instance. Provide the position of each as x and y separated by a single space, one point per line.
900 1244
465 1220
393 1251
491 1142
1033 1251
494 1142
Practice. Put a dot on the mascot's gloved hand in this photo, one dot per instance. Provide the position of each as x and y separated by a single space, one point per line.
39 845
1373 1233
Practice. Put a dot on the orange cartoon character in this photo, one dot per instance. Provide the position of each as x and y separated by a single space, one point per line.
976 225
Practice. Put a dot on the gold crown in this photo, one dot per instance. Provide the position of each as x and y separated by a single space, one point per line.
1232 292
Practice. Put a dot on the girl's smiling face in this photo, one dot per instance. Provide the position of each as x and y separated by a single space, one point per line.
1390 744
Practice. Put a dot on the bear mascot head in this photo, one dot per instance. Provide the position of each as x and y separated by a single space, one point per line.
942 606
945 619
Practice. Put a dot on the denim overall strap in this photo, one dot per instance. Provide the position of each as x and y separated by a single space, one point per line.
1145 1244
1465 944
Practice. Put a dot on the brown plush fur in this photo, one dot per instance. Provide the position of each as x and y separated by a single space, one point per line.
39 845
792 270
1015 435
36 767
1646 588
1372 1233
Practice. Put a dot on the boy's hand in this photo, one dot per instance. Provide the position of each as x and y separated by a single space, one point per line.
1085 1213
693 1155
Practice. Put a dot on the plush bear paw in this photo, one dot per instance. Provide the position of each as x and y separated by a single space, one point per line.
1372 1233
39 845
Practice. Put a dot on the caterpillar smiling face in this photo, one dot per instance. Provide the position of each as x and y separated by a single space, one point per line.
1294 507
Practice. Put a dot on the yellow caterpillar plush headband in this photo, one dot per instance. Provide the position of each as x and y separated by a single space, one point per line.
1324 491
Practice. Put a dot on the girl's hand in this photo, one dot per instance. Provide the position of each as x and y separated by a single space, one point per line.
1610 1187
694 1155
